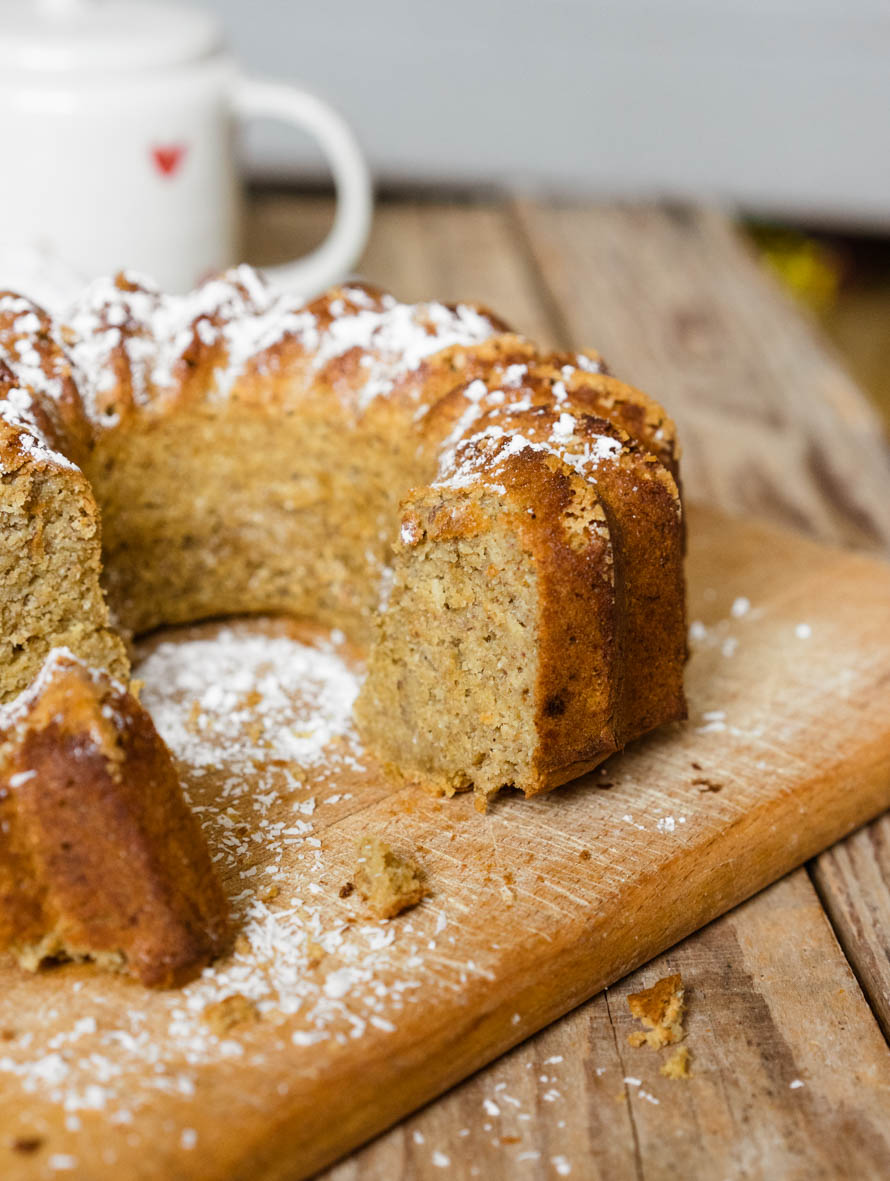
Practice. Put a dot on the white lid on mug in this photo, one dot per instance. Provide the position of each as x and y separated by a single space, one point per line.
74 36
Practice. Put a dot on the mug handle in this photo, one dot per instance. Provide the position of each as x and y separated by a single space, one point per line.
334 258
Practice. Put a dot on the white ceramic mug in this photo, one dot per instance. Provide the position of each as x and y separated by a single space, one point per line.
117 122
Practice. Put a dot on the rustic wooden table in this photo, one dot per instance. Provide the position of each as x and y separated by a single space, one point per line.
796 982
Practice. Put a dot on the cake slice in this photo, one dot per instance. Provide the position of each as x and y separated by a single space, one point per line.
50 560
100 856
494 662
536 622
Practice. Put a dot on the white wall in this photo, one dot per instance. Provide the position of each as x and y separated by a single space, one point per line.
779 107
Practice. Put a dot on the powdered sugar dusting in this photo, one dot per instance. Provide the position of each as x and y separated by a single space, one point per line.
240 320
238 314
57 661
130 344
396 339
301 697
259 722
589 364
32 365
477 457
29 347
17 410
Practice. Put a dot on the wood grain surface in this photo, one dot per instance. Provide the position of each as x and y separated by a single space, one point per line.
533 908
773 427
757 1023
678 303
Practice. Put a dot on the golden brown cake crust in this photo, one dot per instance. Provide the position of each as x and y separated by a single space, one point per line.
99 853
599 515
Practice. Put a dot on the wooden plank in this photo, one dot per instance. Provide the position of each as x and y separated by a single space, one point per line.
853 879
429 250
770 422
578 1096
280 227
677 303
534 907
648 288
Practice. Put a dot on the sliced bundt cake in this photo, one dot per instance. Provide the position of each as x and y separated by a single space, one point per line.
501 527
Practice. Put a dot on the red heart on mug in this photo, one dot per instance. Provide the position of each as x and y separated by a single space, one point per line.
168 157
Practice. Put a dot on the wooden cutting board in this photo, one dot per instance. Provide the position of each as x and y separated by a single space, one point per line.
534 906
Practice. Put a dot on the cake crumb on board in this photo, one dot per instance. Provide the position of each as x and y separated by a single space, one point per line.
661 1009
235 1009
388 882
678 1064
27 1144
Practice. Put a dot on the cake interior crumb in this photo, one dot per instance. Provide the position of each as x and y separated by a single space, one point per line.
661 1009
677 1064
235 1009
387 881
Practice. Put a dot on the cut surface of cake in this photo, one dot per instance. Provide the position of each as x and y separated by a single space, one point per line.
50 560
500 527
536 622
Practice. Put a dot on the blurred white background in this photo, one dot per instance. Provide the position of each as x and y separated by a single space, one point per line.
778 107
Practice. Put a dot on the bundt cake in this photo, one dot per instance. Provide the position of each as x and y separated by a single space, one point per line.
502 528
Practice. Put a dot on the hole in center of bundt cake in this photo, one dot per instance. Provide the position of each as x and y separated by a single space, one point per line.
210 515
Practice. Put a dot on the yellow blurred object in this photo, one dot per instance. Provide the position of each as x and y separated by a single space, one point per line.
845 282
808 269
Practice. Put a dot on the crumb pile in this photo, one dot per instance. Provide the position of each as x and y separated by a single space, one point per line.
388 882
678 1065
661 1009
